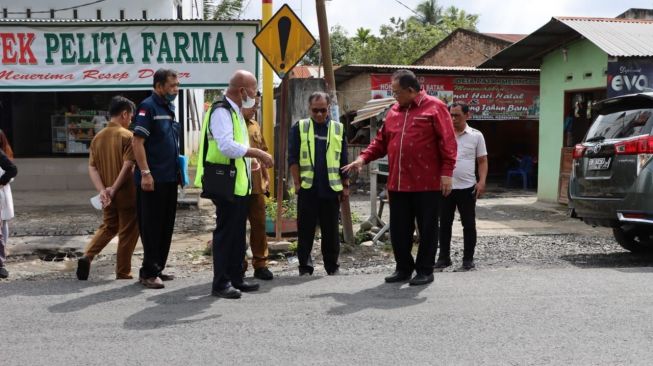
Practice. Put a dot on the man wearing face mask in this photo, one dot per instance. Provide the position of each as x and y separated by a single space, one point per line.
316 153
156 148
228 139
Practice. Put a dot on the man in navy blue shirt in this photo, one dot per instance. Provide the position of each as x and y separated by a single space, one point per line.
156 148
316 151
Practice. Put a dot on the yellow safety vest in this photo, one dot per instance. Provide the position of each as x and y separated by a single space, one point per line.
214 155
307 153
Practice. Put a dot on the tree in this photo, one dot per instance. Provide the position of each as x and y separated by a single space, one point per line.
454 18
225 9
428 12
363 35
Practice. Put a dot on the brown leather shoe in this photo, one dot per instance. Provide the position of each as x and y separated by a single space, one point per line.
124 277
152 282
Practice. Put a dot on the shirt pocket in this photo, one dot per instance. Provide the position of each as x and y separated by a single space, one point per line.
467 151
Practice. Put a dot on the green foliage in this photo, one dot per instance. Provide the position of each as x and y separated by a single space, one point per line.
293 246
400 42
356 218
288 207
225 9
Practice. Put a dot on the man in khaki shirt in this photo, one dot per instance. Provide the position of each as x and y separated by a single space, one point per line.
110 166
257 238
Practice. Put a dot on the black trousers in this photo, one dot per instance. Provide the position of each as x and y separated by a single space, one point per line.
229 242
310 210
465 201
405 209
156 212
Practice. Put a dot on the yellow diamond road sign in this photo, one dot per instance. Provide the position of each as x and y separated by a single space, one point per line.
283 41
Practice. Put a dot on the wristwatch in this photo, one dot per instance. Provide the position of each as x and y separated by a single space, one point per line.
145 172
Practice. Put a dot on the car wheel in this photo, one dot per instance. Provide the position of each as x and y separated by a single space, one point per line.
637 239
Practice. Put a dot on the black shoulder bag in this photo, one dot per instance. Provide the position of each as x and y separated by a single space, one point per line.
218 180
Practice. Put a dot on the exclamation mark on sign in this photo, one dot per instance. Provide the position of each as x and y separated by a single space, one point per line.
284 32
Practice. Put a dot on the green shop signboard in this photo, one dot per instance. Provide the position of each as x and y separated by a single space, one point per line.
121 55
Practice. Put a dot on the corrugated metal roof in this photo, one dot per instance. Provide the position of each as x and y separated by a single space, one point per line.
347 72
372 108
433 68
616 37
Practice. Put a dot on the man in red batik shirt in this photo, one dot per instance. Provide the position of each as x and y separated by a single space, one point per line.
419 139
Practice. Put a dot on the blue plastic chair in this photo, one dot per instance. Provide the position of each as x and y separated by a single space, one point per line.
524 171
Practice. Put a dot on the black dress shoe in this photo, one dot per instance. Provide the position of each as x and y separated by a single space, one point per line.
306 271
246 286
263 274
398 277
468 265
442 264
3 272
166 277
421 279
83 268
227 293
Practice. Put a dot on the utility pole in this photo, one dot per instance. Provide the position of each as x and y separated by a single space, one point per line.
325 47
268 97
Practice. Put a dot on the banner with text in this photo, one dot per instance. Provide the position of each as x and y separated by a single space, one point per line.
123 56
489 98
628 76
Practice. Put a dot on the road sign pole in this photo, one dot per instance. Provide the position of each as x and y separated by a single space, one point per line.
281 164
325 46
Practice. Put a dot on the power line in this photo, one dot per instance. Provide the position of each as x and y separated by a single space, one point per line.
55 10
413 11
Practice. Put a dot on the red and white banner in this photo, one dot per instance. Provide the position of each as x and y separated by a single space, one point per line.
489 98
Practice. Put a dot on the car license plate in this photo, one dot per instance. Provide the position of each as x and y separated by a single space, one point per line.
599 163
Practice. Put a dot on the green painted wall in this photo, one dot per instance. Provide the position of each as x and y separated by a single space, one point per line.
582 57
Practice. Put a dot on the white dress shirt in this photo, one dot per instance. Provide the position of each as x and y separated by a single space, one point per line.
471 145
222 131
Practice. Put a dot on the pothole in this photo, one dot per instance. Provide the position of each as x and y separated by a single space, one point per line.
57 255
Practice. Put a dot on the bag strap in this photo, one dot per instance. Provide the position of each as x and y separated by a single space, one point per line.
219 104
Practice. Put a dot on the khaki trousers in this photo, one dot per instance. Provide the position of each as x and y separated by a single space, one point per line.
121 222
258 241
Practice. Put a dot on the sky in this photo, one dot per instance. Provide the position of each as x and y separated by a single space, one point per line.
505 16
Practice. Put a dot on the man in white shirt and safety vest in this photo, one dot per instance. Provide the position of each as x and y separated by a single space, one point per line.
229 139
317 150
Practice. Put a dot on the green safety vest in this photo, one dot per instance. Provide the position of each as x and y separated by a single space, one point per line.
214 155
307 153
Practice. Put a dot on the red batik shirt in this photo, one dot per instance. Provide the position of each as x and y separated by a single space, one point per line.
420 143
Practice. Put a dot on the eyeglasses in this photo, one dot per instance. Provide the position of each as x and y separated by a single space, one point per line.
319 110
455 114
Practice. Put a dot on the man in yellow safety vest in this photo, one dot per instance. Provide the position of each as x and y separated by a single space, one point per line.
316 152
229 140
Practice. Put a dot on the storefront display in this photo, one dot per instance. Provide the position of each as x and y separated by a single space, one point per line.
73 133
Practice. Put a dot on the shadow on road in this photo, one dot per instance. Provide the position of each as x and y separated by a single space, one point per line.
41 288
282 281
384 297
609 260
174 308
95 298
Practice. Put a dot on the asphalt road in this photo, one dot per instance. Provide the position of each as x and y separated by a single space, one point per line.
570 316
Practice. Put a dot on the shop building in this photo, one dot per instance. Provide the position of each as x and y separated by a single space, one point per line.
504 104
57 77
582 60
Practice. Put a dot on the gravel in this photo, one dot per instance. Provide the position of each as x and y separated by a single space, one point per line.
596 249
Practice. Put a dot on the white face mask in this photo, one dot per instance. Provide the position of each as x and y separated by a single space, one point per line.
249 102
